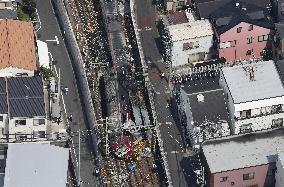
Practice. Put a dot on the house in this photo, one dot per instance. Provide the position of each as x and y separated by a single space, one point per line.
174 5
192 41
205 8
242 31
23 113
279 174
202 109
8 4
242 160
17 52
36 164
255 96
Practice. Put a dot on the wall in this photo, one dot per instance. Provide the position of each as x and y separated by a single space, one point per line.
28 128
12 72
180 57
239 51
4 125
260 177
258 123
229 101
279 175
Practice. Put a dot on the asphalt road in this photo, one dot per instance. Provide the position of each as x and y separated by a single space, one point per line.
170 133
49 29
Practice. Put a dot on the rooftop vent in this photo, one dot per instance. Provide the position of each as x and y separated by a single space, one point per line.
200 98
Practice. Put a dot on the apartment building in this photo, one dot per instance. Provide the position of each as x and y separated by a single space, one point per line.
192 40
242 160
242 31
202 110
23 113
255 96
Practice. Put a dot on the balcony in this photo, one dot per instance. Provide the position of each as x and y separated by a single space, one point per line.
276 110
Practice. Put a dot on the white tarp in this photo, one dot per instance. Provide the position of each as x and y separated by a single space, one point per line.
43 54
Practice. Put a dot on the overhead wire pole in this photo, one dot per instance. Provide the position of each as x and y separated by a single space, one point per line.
79 172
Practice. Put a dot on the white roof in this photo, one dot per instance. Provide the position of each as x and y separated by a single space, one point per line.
43 54
266 84
248 150
192 29
35 165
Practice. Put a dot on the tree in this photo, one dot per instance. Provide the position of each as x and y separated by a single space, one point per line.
46 72
29 7
267 54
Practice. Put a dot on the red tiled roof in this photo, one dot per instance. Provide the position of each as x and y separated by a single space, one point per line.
17 44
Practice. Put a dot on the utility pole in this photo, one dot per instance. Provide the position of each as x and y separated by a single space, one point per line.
106 137
79 173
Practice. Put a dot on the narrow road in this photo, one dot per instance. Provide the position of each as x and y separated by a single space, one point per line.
49 29
170 133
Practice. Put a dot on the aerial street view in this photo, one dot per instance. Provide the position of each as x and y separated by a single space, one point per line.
141 93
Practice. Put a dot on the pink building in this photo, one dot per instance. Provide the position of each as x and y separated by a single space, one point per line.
242 31
242 161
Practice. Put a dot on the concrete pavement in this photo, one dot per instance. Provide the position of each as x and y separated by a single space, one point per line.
50 29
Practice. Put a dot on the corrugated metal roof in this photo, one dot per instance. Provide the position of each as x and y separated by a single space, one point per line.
28 107
3 104
36 165
8 14
25 96
22 87
2 85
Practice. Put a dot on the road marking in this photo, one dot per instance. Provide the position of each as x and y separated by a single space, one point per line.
55 40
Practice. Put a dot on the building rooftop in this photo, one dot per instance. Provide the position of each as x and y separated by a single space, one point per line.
266 83
206 7
8 14
202 85
34 164
235 12
213 109
192 29
178 17
241 151
17 49
25 96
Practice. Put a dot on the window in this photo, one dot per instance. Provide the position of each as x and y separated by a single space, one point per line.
277 123
248 176
250 28
20 122
41 134
190 45
39 122
249 40
276 109
223 179
263 38
1 119
246 128
239 29
245 114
